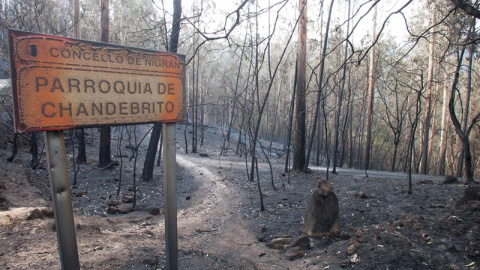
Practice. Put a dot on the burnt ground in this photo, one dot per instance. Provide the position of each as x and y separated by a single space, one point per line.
220 224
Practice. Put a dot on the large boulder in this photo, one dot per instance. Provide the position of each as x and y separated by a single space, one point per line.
322 218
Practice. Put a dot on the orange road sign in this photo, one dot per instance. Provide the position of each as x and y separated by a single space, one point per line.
61 83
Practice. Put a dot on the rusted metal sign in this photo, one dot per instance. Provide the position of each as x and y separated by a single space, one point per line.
60 83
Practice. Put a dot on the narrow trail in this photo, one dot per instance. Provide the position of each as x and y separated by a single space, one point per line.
210 224
216 224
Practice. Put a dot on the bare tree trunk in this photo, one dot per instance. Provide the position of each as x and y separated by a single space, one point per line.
192 105
202 116
275 117
463 136
319 135
262 207
195 85
148 165
262 105
241 146
157 127
253 146
300 108
433 127
185 130
443 129
34 151
159 159
82 152
290 121
320 92
467 102
412 141
104 157
428 113
120 153
371 87
234 102
351 146
340 96
79 133
14 148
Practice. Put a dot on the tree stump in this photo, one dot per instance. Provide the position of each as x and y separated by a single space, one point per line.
322 218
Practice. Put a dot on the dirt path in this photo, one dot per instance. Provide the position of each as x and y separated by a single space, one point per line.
214 229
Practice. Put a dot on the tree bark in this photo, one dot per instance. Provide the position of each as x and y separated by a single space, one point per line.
371 87
412 141
467 7
320 93
340 96
463 136
157 127
467 99
149 163
14 148
82 152
79 133
104 157
290 122
234 101
428 111
300 108
443 130
34 150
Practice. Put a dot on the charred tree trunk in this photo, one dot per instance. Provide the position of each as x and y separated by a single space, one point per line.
320 89
226 141
79 133
411 142
157 128
34 150
467 102
82 152
443 130
301 106
340 97
290 121
149 163
104 156
14 148
428 113
371 87
463 136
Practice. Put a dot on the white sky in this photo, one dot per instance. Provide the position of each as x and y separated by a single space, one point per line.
217 10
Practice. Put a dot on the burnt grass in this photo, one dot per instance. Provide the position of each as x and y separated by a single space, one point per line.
220 222
386 227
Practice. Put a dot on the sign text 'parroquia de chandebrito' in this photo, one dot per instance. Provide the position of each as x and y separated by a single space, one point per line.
61 83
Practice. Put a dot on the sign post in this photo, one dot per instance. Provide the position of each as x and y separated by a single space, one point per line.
170 191
61 83
61 197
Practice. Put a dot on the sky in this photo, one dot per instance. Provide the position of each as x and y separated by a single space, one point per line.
217 10
396 25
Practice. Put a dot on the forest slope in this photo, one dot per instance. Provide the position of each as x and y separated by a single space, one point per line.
220 222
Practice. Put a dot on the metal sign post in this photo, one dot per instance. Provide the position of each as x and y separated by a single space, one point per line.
170 193
61 197
61 83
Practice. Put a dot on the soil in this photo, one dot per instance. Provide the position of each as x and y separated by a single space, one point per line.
220 225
